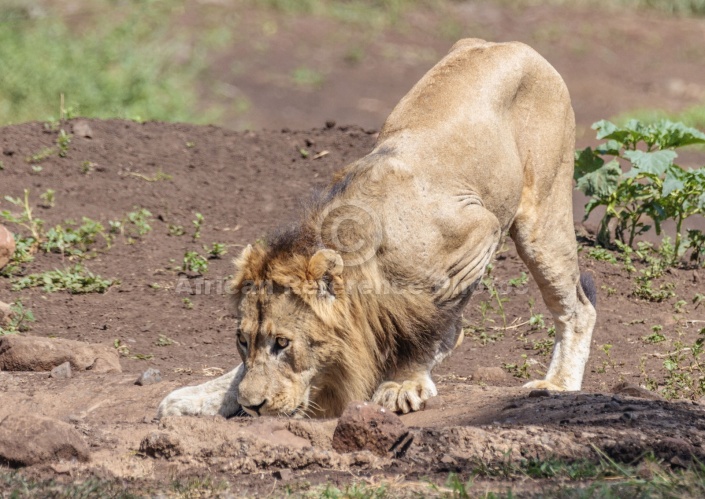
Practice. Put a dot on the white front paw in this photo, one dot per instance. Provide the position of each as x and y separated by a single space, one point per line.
406 396
195 401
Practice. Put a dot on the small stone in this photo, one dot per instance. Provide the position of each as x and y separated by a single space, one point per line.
284 475
367 426
7 246
330 124
490 375
81 128
62 371
149 377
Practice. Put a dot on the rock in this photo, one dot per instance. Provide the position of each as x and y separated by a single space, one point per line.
490 375
284 475
7 246
631 390
34 353
81 128
62 371
367 426
149 377
159 444
539 393
5 313
26 439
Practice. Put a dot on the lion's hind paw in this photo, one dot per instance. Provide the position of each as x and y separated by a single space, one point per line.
407 396
542 384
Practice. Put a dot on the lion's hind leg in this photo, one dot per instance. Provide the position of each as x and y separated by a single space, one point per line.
218 396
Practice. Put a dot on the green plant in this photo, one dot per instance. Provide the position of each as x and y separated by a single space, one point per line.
519 370
49 198
654 187
216 250
607 349
656 336
197 225
73 241
62 142
87 167
134 225
188 304
19 318
685 370
40 156
602 255
75 280
25 218
519 281
164 341
176 230
194 262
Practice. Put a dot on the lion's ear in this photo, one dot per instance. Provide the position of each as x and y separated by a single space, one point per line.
248 266
325 267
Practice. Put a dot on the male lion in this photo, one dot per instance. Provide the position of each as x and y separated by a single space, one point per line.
364 296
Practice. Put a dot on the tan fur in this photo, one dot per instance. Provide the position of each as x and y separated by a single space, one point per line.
366 292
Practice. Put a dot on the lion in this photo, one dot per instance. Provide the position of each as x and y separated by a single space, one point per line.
364 296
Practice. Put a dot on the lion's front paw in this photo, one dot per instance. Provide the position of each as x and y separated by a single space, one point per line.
195 401
542 384
406 396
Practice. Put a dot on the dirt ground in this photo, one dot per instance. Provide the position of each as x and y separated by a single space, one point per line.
245 184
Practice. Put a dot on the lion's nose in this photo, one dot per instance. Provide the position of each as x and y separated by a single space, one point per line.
255 408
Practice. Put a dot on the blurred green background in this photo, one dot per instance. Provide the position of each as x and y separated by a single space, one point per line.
297 63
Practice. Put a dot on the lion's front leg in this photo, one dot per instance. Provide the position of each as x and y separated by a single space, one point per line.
218 396
408 391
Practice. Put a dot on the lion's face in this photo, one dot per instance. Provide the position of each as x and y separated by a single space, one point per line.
284 345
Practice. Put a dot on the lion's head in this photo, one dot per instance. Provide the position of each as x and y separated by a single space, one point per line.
291 308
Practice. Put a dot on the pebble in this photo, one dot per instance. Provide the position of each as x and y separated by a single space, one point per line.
149 377
62 371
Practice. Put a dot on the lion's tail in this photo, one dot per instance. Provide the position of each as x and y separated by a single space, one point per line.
588 285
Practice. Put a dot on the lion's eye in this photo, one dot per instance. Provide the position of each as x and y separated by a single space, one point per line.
282 342
241 339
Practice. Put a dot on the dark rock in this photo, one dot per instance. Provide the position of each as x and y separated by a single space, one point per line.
284 475
26 439
158 444
62 371
367 426
149 377
539 393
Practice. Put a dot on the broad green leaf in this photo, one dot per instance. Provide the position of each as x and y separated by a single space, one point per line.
670 134
608 130
601 182
655 162
673 181
586 161
610 147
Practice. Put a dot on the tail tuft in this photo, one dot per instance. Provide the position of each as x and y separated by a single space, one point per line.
588 285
